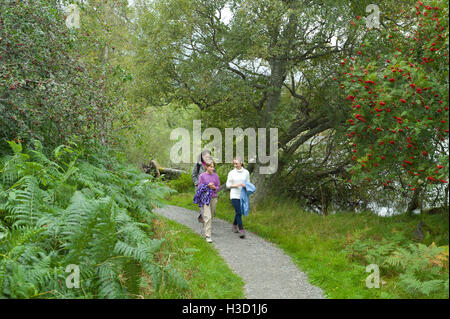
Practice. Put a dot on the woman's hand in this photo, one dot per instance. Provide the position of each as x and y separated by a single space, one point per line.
211 185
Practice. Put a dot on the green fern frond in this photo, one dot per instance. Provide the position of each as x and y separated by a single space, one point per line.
24 204
110 286
174 279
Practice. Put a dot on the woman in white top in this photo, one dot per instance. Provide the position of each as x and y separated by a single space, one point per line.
235 181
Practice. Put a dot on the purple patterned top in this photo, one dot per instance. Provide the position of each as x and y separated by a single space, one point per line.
206 178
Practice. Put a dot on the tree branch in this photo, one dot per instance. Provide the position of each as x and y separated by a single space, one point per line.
303 138
299 126
295 94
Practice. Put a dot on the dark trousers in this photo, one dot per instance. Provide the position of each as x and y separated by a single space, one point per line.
238 216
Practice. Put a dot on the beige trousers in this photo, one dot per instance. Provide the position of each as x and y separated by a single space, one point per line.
208 214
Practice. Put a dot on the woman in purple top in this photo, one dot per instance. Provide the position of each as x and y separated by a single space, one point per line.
212 180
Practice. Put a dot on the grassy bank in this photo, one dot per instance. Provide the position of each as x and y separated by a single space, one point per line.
205 271
335 250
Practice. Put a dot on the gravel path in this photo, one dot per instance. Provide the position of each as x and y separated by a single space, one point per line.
267 271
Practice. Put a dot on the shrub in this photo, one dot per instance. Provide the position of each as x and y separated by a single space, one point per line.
182 183
46 91
397 86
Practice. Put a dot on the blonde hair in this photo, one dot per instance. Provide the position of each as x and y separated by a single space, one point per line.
240 160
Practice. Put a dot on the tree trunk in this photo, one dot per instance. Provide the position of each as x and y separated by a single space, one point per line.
324 199
446 199
418 232
415 202
262 183
278 74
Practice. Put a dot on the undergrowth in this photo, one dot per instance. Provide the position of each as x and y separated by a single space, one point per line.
81 207
335 250
198 262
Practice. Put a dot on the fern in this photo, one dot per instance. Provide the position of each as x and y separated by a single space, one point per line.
24 204
174 278
68 210
419 287
110 286
422 270
142 252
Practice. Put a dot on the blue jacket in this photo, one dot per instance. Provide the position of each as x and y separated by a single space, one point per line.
245 193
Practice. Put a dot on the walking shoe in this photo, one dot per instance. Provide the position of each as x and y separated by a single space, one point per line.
209 240
235 229
242 233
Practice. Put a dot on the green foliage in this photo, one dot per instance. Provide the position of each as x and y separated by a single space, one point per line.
222 171
50 86
374 252
193 258
80 208
149 137
397 83
421 270
334 250
425 268
182 183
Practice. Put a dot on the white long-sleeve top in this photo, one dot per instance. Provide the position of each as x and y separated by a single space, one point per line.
237 177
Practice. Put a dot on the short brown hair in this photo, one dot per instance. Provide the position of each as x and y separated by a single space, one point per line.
208 164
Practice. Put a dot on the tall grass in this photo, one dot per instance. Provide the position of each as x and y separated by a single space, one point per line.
322 246
207 274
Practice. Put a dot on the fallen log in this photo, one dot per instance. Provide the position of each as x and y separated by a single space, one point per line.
154 169
171 172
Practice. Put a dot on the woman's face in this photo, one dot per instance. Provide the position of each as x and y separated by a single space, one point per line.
206 157
236 164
